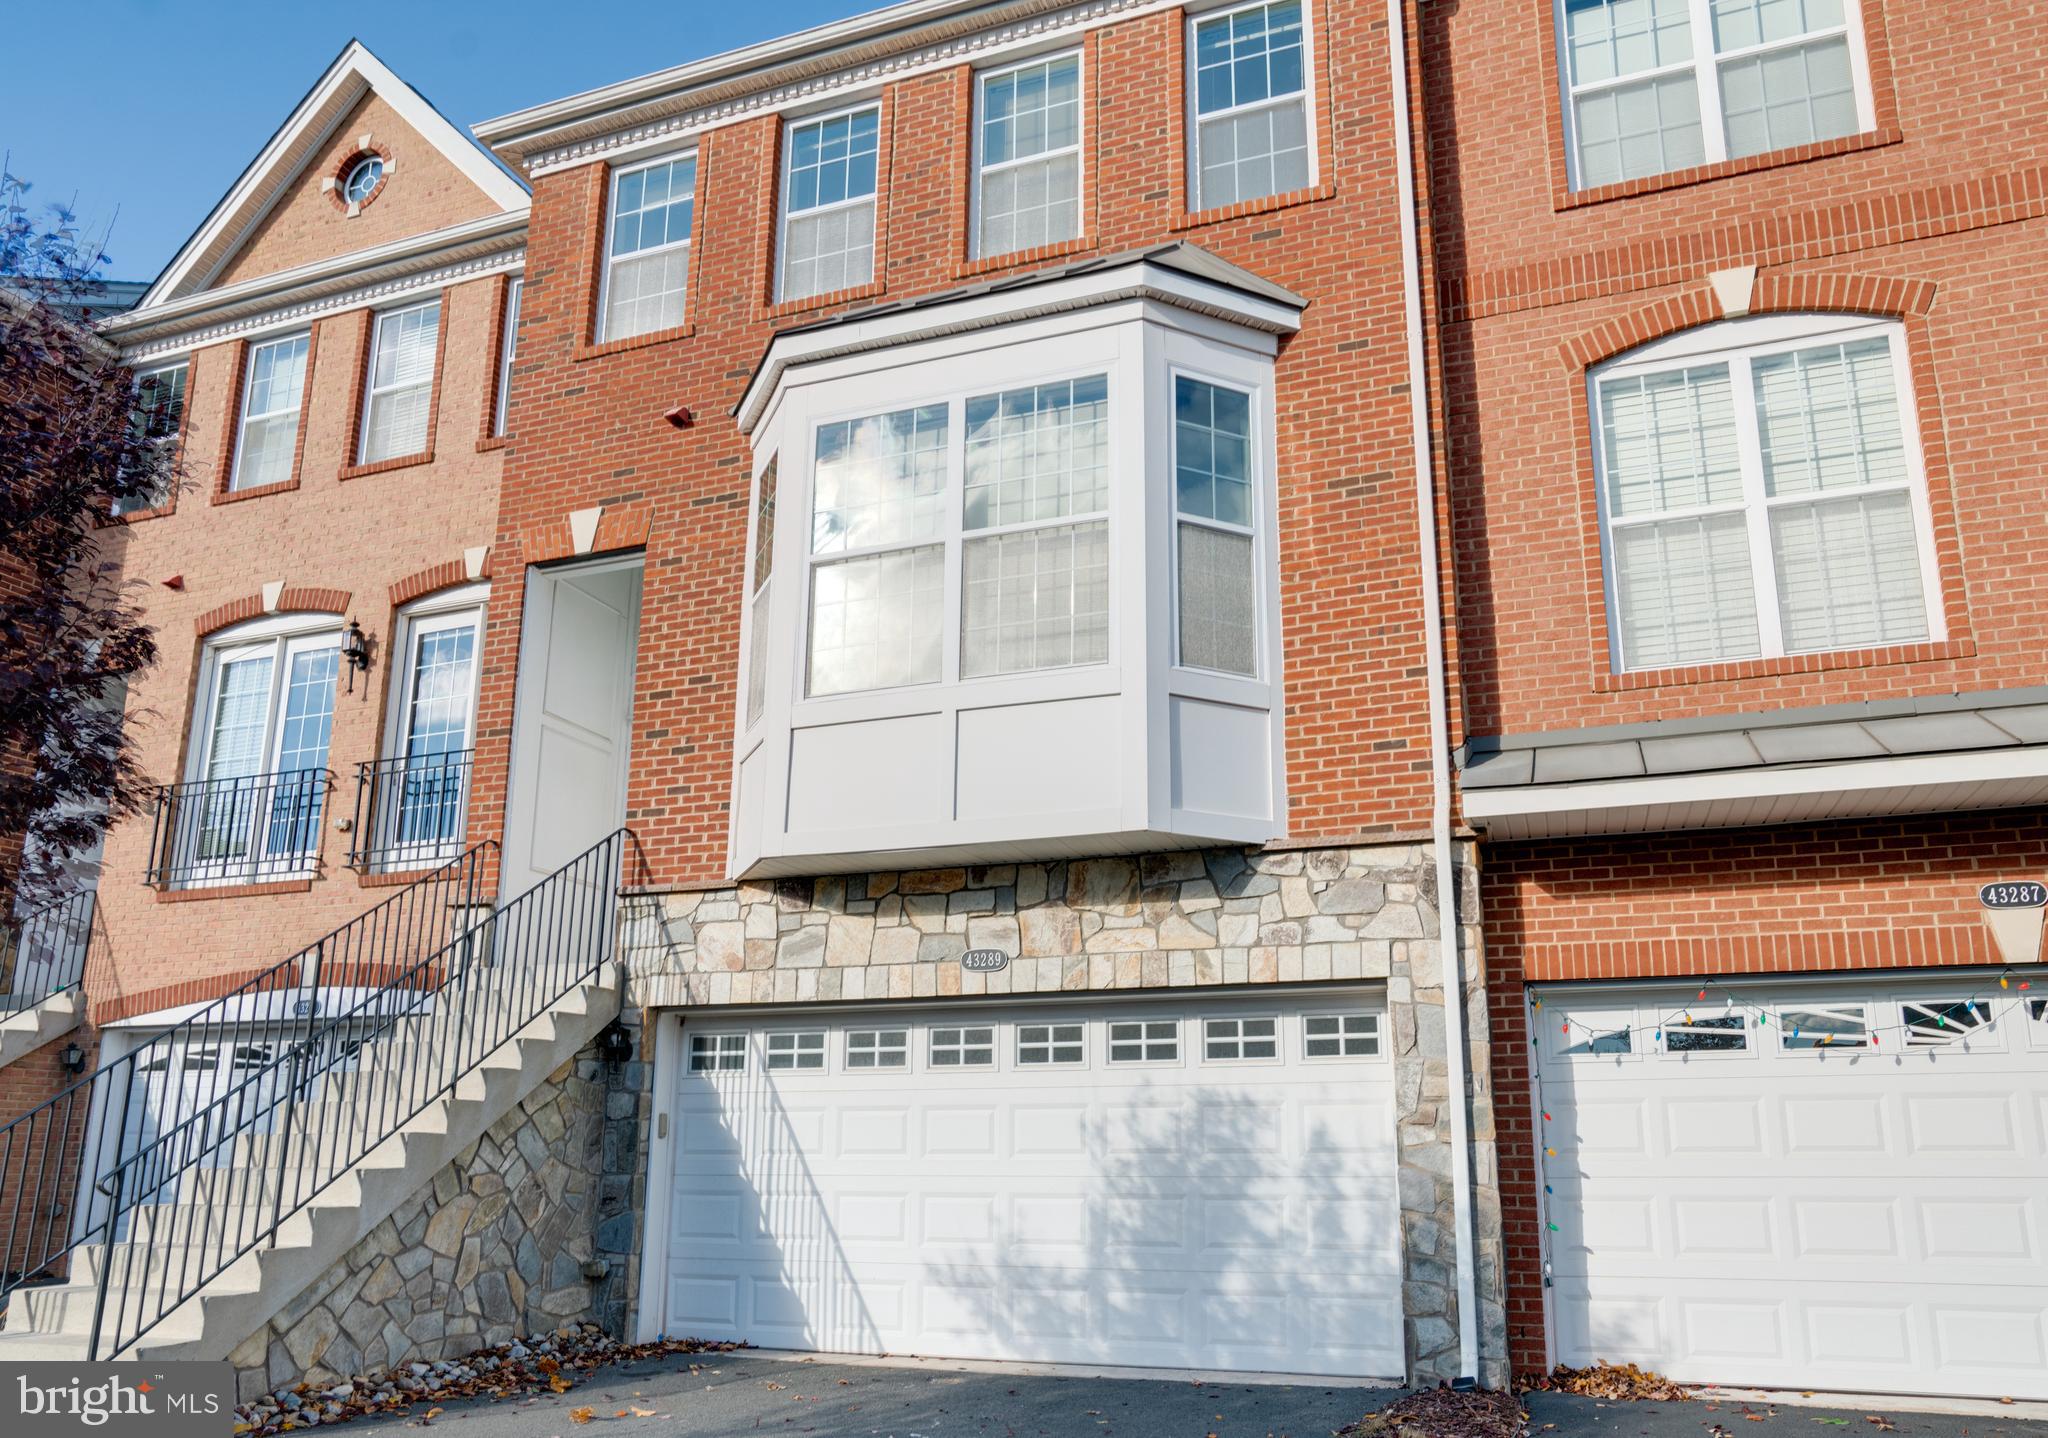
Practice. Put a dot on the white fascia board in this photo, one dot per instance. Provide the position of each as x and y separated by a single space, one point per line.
1139 280
1536 810
486 235
354 73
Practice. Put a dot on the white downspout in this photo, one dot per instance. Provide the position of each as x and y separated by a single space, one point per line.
1439 721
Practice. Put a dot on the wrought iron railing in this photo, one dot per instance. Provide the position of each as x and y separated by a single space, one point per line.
58 1151
178 1210
410 812
251 829
43 953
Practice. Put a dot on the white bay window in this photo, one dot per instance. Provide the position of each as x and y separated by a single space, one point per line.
1652 86
1029 548
1761 493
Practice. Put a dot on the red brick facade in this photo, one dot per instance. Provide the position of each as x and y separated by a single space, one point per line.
590 430
1935 217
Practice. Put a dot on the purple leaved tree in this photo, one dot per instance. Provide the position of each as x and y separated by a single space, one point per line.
77 446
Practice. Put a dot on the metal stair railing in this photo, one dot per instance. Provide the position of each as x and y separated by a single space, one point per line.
347 1082
43 952
60 1149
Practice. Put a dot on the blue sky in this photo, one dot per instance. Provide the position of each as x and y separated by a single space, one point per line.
146 110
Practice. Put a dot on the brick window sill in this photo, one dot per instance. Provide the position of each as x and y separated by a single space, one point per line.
636 342
234 891
136 516
1285 200
1722 169
785 308
385 466
1013 259
393 879
236 496
491 442
1961 648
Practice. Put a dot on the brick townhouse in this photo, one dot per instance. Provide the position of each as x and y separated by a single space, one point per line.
1741 324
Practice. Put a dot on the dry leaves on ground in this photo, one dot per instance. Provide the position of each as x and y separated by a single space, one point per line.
1616 1382
1444 1413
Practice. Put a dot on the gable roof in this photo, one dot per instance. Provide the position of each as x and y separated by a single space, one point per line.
354 73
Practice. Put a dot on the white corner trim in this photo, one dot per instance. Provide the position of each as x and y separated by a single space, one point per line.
273 592
1734 289
473 561
583 528
354 73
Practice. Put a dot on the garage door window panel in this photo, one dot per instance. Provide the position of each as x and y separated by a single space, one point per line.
1340 1036
802 1052
1241 1040
1693 1034
973 1046
1146 1041
1837 1026
1594 1034
1762 493
1051 1045
1947 1023
870 1050
718 1053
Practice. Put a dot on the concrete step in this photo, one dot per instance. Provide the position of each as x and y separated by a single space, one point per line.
24 1032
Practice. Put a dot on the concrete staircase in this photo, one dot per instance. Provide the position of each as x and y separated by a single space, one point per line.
217 1209
27 1030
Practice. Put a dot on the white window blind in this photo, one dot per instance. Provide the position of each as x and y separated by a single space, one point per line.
1251 126
1762 500
1217 569
1658 85
647 265
508 349
270 412
1030 175
828 204
401 387
759 610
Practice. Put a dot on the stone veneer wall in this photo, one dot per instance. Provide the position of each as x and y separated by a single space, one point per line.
493 1247
1163 921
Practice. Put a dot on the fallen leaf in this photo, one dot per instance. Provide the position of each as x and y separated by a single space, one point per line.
643 1412
579 1415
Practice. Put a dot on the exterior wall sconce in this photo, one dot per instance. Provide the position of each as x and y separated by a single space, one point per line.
615 1045
355 653
72 1058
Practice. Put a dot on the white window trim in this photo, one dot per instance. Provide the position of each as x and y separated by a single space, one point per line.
508 351
1705 65
1079 149
879 1030
1875 1016
1145 1042
783 214
161 443
994 1046
954 535
1193 115
1378 1035
1278 1039
249 383
1051 1045
796 1051
448 609
1265 578
711 1038
611 209
372 392
1737 343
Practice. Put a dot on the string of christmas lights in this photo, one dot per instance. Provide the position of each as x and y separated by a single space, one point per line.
1682 1017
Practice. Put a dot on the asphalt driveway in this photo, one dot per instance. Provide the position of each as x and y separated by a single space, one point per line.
728 1394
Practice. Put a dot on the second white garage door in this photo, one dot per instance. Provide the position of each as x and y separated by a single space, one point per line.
1188 1185
1838 1184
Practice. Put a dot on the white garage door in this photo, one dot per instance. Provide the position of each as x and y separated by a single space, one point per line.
1180 1185
1839 1184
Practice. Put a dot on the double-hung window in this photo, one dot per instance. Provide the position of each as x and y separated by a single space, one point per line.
1214 533
647 253
828 203
508 349
1029 174
759 616
1250 86
1032 514
1761 493
400 392
422 788
271 393
259 761
157 419
1652 86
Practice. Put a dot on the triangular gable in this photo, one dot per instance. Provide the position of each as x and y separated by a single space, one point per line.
313 126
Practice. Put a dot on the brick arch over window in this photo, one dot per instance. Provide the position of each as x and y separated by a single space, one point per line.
436 577
346 160
1881 297
291 601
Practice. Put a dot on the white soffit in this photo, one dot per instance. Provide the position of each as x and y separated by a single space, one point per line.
354 73
1915 784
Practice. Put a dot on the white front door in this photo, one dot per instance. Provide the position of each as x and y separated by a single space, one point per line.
574 716
1838 1184
1190 1184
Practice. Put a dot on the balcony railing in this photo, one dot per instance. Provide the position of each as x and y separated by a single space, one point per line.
43 953
411 812
253 829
